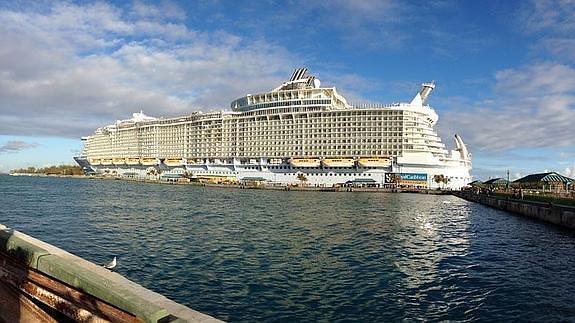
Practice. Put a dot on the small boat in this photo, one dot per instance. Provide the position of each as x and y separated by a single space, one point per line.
305 162
132 161
174 162
119 161
148 161
374 162
338 162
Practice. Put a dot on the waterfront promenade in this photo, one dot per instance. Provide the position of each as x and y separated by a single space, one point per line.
562 215
263 186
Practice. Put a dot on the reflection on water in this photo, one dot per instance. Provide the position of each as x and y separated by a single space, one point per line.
251 255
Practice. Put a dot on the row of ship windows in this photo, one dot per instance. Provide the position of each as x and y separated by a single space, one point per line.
349 113
310 112
283 130
305 119
214 153
318 116
381 121
283 145
285 104
132 135
265 140
265 148
242 123
258 135
272 140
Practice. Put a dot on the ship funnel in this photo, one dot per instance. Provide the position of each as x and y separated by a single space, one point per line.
298 74
421 97
426 89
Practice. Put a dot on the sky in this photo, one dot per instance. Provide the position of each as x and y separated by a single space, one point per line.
504 70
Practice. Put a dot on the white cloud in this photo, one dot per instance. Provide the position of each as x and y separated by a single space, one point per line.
563 48
162 11
537 79
370 24
69 69
13 146
533 107
554 16
550 24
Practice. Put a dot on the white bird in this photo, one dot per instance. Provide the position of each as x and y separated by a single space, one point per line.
112 264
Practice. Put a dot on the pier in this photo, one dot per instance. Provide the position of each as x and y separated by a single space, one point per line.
42 283
561 215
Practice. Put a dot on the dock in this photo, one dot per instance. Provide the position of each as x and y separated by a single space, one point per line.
42 283
561 215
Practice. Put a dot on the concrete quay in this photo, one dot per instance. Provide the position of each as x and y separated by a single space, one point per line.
43 283
561 215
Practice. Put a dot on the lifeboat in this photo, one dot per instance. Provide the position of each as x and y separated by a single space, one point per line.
95 161
275 161
338 162
374 162
305 162
106 161
148 161
132 161
119 161
174 162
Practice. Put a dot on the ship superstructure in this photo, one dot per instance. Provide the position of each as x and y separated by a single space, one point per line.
297 129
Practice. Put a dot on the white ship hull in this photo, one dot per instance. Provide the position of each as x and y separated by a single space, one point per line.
285 174
298 133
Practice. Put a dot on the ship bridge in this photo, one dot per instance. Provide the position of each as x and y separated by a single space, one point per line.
301 90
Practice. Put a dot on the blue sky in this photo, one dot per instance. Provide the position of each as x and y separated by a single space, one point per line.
504 70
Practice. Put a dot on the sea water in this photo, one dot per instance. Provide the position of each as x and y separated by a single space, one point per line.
258 255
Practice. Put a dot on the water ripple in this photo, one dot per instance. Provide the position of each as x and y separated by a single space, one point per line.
250 255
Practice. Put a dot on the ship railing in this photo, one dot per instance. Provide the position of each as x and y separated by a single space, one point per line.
369 105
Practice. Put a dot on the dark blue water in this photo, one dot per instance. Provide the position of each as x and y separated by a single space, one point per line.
253 255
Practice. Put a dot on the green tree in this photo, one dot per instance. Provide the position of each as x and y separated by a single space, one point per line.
302 178
439 179
396 179
446 180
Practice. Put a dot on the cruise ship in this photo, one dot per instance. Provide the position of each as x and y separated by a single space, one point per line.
300 133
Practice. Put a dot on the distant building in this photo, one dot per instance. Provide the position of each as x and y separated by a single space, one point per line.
550 181
476 183
496 182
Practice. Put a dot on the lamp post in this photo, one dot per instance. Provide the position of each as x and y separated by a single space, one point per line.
507 184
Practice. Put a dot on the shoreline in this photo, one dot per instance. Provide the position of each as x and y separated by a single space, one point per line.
254 187
557 214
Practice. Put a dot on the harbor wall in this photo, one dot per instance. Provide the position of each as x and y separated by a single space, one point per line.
89 278
552 213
